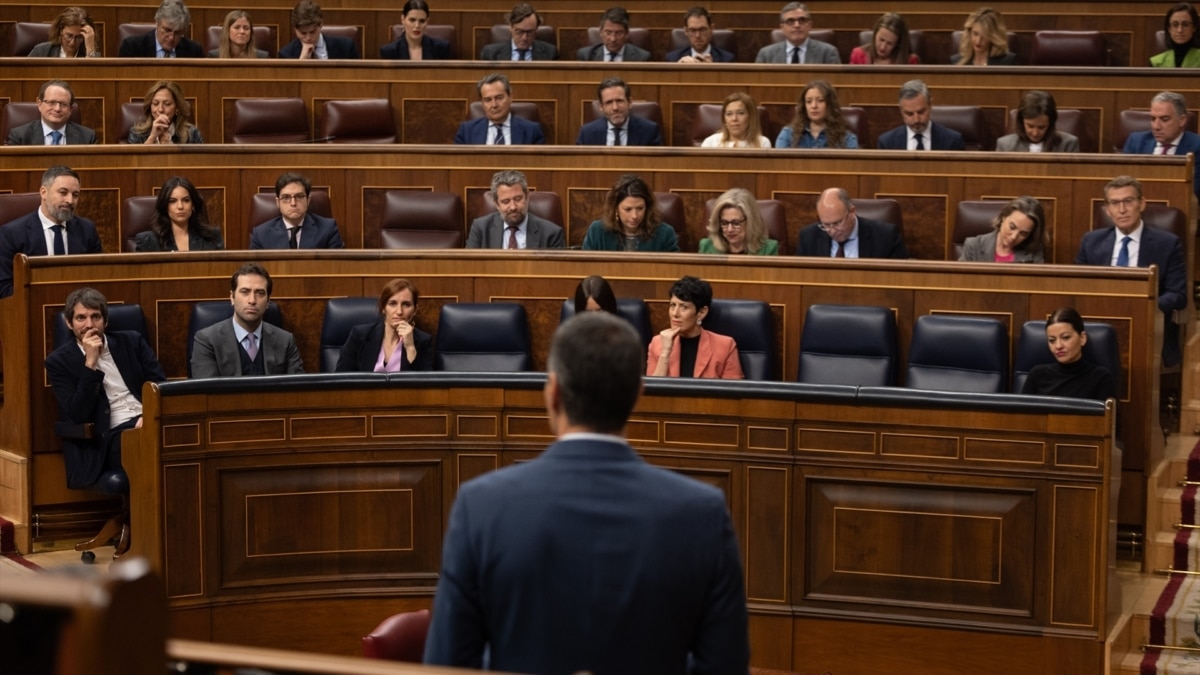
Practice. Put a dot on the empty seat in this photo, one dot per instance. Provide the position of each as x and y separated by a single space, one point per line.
633 310
1129 121
1068 48
418 219
131 114
958 353
638 37
264 38
542 203
341 316
482 337
972 218
848 344
26 35
15 205
368 120
444 32
268 120
856 121
722 38
774 216
502 33
751 326
966 120
137 216
1102 349
128 30
400 637
17 113
708 121
263 206
205 314
647 110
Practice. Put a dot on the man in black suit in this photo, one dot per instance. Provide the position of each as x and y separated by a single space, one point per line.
168 39
618 126
55 100
512 226
614 32
51 230
295 227
842 234
523 22
918 131
309 42
698 26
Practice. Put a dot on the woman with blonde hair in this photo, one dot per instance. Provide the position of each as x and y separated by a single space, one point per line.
73 34
166 117
818 122
237 38
984 40
736 226
740 127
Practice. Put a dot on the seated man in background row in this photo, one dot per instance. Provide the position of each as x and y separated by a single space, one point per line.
498 126
919 132
797 47
618 126
244 344
842 234
54 127
169 37
614 34
1168 134
310 42
295 227
523 22
512 226
53 229
698 26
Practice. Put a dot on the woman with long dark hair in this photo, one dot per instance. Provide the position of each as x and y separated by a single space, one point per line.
180 221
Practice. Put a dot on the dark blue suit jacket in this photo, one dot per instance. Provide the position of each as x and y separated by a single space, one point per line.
144 45
25 235
82 400
719 55
316 232
1142 143
638 130
875 240
943 138
361 350
523 132
338 48
589 559
432 49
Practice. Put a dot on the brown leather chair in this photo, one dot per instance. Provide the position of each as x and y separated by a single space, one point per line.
353 33
1069 121
1068 48
708 122
542 203
367 120
502 33
15 205
647 110
1130 121
24 112
1160 42
131 114
638 37
26 35
883 210
856 121
268 120
437 31
722 38
968 121
418 219
774 216
128 30
973 218
137 216
265 38
915 38
670 208
400 637
263 206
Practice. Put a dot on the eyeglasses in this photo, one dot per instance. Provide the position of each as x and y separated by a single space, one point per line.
168 32
830 227
1121 204
521 32
292 199
798 20
1180 25
733 224
56 104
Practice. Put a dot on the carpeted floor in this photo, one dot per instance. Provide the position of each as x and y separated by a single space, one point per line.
12 562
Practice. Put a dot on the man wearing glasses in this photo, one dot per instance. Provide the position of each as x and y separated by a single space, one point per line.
523 22
698 26
295 227
55 126
842 234
1168 134
168 39
795 22
614 32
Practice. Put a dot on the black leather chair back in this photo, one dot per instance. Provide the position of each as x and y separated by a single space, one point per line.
342 315
848 344
1102 349
482 337
632 310
120 317
205 314
749 323
958 353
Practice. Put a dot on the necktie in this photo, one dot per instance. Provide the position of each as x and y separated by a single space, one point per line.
522 54
251 346
612 56
60 246
795 55
512 238
292 233
1123 254
56 137
499 134
920 141
168 53
616 135
1166 148
841 252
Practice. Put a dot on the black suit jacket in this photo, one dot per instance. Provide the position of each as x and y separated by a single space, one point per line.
502 51
30 133
82 399
718 55
145 46
432 49
875 240
315 232
942 138
638 132
630 52
25 235
337 47
361 350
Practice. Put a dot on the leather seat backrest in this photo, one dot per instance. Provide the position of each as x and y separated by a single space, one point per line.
958 353
419 219
848 344
369 120
633 310
268 120
750 324
482 337
137 216
205 314
341 316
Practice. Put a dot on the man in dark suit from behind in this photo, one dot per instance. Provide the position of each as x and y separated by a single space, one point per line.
523 22
295 227
618 126
54 126
698 26
169 37
842 234
498 126
919 132
53 229
512 226
614 36
587 558
1168 134
310 42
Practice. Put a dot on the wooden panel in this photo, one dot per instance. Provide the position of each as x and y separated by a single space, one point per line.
183 532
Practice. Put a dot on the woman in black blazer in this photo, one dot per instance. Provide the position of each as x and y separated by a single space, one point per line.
415 45
393 343
180 221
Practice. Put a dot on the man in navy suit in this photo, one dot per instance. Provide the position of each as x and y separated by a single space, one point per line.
310 43
842 234
169 37
1168 133
588 559
614 36
295 227
498 126
54 125
618 126
918 131
523 23
698 26
53 229
1130 243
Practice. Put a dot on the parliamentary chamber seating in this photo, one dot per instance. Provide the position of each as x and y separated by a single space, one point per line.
436 31
17 113
414 219
369 120
265 38
542 203
1102 349
633 310
205 314
958 353
848 344
482 337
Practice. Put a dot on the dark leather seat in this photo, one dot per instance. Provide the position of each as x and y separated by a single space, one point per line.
647 110
18 205
958 353
882 210
128 30
968 121
205 314
263 206
131 114
268 120
436 31
722 38
352 33
502 33
368 120
542 203
848 344
17 113
972 218
341 316
670 208
633 310
1129 121
638 37
400 637
265 38
1068 48
137 216
751 326
26 35
856 122
419 219
774 216
482 337
1102 349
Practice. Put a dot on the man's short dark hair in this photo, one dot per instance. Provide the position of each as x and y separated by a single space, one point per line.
492 79
289 178
307 13
597 359
694 290
57 171
612 82
617 15
697 11
56 83
521 12
88 297
251 269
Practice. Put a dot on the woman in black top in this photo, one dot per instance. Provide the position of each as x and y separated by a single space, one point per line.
1070 375
180 221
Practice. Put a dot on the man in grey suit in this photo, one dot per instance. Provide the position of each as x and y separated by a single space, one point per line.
244 344
797 47
614 32
55 127
512 226
523 22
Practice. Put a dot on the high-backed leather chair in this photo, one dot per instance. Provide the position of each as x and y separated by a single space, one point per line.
263 206
883 210
353 33
205 314
708 121
638 37
542 203
268 120
647 110
722 38
1102 349
751 326
437 31
17 113
968 121
26 35
972 218
400 637
1129 121
848 344
131 114
18 205
856 121
958 353
774 216
419 219
1068 48
1070 121
137 216
502 33
264 38
915 40
482 337
341 316
368 120
633 310
670 207
128 30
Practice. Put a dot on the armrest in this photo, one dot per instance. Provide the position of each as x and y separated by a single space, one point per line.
83 431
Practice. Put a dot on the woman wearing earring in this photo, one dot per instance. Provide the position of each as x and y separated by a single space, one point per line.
630 221
393 343
687 350
180 221
1070 375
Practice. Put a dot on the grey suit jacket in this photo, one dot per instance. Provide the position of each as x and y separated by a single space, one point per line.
30 133
817 52
502 51
982 248
488 232
597 52
54 49
215 352
1014 143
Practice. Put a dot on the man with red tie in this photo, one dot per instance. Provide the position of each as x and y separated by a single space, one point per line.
1168 134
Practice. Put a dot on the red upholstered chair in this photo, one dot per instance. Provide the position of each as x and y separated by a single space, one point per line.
966 120
26 35
367 120
638 37
722 38
774 216
349 32
502 33
263 207
400 637
1130 121
137 216
542 203
647 110
265 38
15 205
268 120
418 219
1068 48
883 210
128 30
973 218
437 31
708 121
23 112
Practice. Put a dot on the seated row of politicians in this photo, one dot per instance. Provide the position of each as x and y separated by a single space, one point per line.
984 39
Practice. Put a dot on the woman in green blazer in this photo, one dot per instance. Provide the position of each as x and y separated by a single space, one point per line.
1179 27
630 221
736 226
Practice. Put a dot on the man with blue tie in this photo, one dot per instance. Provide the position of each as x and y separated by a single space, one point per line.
498 126
523 23
169 39
1129 243
1168 134
618 126
51 230
54 127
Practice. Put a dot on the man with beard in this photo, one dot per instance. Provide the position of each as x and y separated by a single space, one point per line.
618 126
512 226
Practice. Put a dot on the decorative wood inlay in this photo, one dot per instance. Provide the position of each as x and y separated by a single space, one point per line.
852 525
767 535
478 425
833 440
247 431
395 426
767 438
642 430
1004 450
181 435
1082 456
920 445
528 426
329 427
715 435
473 465
183 532
1073 557
269 514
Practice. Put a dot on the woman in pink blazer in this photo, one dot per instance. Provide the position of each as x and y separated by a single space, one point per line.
687 350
